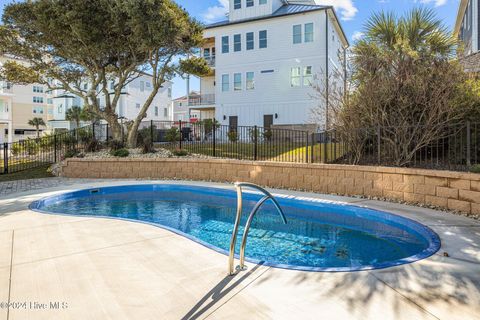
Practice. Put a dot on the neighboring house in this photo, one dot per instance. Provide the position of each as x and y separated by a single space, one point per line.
266 57
182 108
18 105
134 96
467 31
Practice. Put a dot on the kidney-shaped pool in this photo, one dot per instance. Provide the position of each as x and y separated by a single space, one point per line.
319 236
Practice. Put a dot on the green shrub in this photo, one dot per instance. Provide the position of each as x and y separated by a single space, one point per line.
267 134
31 147
233 136
70 154
475 168
115 145
180 153
93 145
121 153
173 135
17 148
254 133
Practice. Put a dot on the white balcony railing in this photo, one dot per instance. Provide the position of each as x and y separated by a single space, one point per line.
5 87
201 100
210 61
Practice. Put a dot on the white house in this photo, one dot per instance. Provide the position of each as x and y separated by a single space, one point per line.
18 105
265 58
182 108
6 123
467 30
133 97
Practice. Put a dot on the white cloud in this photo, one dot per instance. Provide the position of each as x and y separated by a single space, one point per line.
216 13
357 35
437 3
346 8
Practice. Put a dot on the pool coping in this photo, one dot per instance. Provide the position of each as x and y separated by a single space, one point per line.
430 235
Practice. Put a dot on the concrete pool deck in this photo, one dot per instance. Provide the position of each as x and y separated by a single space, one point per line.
111 269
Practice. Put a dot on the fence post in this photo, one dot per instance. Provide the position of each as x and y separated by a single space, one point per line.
312 157
151 133
55 147
107 133
379 143
307 146
469 144
5 157
214 151
93 131
255 143
325 146
180 129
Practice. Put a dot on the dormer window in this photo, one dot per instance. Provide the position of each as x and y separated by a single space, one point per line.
237 4
249 3
262 2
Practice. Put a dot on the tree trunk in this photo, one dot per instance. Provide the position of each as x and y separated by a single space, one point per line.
133 134
115 128
38 132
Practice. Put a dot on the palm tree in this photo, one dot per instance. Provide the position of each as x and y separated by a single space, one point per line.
37 122
75 115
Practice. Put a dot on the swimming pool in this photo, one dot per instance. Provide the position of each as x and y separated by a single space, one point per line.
319 236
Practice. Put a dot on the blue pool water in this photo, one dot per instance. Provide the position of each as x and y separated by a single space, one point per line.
319 236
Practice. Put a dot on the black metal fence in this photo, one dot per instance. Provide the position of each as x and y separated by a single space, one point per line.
239 142
456 148
45 150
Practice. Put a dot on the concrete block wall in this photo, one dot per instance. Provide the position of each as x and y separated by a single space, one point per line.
451 190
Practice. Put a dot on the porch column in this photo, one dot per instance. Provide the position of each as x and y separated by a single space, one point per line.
10 131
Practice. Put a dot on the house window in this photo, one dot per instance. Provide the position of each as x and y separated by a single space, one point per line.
237 4
297 34
225 82
295 77
262 2
156 111
262 39
37 110
137 105
307 76
37 99
60 108
148 85
309 32
206 53
249 3
169 92
165 112
225 44
237 82
142 86
250 41
237 43
250 80
112 85
49 101
37 89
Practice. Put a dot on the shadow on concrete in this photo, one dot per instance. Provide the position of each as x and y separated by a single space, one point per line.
217 293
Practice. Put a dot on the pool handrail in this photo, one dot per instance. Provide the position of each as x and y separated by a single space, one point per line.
238 217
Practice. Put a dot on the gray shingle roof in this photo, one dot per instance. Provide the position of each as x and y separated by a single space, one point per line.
284 10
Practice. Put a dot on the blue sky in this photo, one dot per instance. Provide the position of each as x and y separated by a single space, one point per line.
353 14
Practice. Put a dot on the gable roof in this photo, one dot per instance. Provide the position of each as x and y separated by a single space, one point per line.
285 10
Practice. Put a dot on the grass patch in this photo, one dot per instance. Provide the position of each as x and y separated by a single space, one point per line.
287 152
34 173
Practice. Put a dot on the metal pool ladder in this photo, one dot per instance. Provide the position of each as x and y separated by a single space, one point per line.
255 209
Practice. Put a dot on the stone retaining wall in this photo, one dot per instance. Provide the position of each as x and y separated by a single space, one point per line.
451 190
